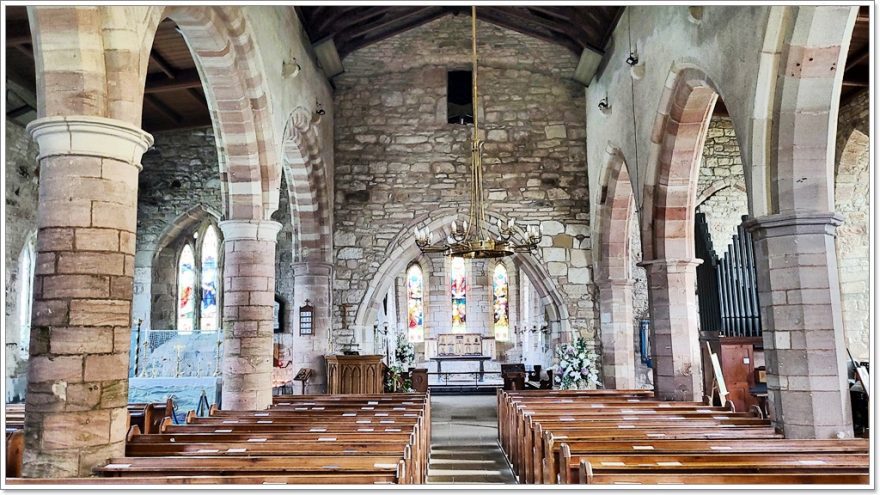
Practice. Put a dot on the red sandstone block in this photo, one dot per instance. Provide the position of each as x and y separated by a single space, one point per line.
106 367
80 340
91 263
100 312
71 286
54 212
97 239
49 313
55 239
127 242
45 368
82 396
45 264
114 216
76 429
121 287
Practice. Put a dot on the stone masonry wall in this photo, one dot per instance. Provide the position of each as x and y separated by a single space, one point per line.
21 177
398 160
852 200
721 184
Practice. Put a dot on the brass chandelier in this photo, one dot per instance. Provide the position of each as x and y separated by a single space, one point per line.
471 238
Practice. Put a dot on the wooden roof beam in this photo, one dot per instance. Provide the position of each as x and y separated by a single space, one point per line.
162 64
496 19
367 28
184 79
344 47
163 109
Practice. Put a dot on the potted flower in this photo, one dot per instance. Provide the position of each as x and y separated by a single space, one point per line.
577 367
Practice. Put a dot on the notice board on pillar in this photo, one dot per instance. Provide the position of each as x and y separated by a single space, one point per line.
306 319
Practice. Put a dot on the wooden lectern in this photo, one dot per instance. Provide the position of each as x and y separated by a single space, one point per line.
355 374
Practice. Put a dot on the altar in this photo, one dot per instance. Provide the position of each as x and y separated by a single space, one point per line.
480 359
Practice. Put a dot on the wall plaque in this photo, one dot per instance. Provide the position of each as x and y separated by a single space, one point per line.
306 313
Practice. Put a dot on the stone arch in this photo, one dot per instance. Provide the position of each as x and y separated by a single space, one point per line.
808 47
719 186
308 186
231 71
403 249
613 273
676 144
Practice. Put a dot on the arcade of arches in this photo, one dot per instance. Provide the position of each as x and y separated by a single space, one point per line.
127 233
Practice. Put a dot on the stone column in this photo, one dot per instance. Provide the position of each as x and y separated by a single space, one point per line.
616 323
248 303
312 282
675 338
804 347
77 388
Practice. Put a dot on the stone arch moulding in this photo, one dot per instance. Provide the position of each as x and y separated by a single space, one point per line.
615 207
231 71
402 250
719 186
807 95
677 139
308 187
185 221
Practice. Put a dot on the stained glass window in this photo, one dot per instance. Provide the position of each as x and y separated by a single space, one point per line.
210 316
458 289
186 287
415 285
501 303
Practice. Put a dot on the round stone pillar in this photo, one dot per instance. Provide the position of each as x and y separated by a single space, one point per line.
804 346
77 390
248 303
616 324
312 281
675 336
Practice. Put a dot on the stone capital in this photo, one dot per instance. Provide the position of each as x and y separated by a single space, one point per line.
254 230
614 283
312 269
78 135
795 223
671 265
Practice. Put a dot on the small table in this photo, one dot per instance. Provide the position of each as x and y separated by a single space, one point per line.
481 359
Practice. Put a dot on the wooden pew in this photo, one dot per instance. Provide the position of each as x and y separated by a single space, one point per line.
791 461
304 479
363 439
14 452
690 478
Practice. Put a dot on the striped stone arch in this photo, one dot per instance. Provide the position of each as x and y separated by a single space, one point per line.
676 148
615 209
231 71
307 183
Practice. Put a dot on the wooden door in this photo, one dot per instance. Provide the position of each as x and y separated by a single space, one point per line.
738 364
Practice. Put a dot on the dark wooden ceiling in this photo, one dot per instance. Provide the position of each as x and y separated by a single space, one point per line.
174 98
354 27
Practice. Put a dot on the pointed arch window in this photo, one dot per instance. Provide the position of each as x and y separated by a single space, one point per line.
186 288
501 303
26 263
210 311
458 290
415 288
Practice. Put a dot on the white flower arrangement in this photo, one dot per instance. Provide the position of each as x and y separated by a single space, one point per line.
405 353
577 368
